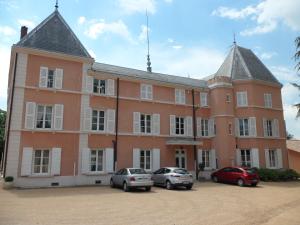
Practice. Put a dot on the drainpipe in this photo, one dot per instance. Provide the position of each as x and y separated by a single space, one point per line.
195 134
116 127
9 116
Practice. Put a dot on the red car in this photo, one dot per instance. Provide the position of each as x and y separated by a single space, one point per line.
237 175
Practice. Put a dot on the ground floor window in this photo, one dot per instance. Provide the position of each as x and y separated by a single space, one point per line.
41 162
145 159
273 158
205 158
180 158
96 160
246 157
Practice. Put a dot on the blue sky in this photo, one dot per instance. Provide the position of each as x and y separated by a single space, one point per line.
187 38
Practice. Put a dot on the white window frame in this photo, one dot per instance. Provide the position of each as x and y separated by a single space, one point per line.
228 98
203 99
98 120
206 159
99 88
268 100
41 162
146 157
97 160
204 127
181 122
273 159
146 91
269 124
247 162
145 123
44 117
245 128
180 96
242 99
53 78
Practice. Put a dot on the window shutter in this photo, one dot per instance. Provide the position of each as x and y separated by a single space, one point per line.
85 160
136 158
143 91
177 96
26 162
87 119
110 87
265 127
199 126
267 158
252 126
109 160
156 124
199 156
43 77
110 121
30 115
55 161
211 132
275 128
203 99
189 126
238 99
58 116
89 83
212 153
172 125
136 122
182 97
255 157
245 99
279 158
156 159
59 74
238 157
149 92
237 127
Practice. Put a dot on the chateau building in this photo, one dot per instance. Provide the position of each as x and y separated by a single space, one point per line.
74 121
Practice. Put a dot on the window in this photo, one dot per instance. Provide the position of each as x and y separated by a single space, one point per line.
246 157
205 158
99 86
179 128
96 164
244 127
204 127
41 162
203 99
50 79
242 98
145 159
228 98
145 124
273 158
98 120
230 128
146 91
269 128
268 100
44 117
180 96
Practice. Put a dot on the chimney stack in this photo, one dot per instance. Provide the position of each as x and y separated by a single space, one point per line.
24 30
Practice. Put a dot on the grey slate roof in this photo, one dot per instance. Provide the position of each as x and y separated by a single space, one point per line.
243 64
140 74
54 35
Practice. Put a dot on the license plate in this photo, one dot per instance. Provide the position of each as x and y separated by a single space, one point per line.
186 182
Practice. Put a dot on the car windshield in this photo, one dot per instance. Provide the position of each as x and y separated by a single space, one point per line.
181 171
251 171
137 171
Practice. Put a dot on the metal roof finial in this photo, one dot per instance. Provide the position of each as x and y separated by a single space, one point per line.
149 68
234 41
56 5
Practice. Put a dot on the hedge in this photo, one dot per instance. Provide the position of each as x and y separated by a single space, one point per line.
277 175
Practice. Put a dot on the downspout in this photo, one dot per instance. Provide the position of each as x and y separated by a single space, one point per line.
9 116
195 134
116 128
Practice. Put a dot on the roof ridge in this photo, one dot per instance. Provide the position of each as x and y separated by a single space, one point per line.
243 62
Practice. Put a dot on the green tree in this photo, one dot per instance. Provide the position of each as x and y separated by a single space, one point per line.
2 131
297 58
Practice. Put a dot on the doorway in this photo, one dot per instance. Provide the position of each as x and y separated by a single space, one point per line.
180 158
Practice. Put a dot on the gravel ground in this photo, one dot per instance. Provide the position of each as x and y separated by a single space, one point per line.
207 203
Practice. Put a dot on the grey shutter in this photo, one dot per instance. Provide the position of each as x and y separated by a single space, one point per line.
26 162
211 132
136 122
109 160
265 127
212 154
59 74
87 119
189 126
43 77
110 128
172 125
89 84
149 92
267 158
30 115
155 159
252 126
177 96
237 127
58 116
155 124
279 159
55 161
136 158
199 126
245 99
238 157
275 128
85 160
255 157
238 99
110 90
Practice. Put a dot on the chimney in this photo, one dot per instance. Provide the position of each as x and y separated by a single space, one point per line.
24 30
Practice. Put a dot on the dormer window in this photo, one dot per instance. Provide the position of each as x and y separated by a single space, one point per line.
99 86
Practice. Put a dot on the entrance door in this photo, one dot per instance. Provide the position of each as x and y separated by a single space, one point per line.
180 158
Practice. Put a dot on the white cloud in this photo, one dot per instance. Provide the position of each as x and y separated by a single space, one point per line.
268 55
7 31
267 15
28 23
177 46
170 40
81 20
284 74
143 34
137 6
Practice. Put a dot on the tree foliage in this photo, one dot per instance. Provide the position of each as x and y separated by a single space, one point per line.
2 131
297 58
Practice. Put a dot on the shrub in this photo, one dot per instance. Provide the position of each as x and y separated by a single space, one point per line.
277 175
8 179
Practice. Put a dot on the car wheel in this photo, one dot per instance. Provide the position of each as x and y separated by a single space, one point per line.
112 185
169 185
241 182
215 179
189 187
148 188
125 187
254 185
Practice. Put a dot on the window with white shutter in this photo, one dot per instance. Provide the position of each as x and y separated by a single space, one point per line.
155 159
172 125
242 99
59 74
26 161
204 128
58 116
255 157
199 126
180 126
252 126
203 99
51 78
146 91
156 124
85 160
145 123
44 116
110 87
96 160
136 122
211 127
99 86
43 77
55 161
109 160
98 120
189 126
110 121
87 119
136 158
30 115
41 159
268 100
179 96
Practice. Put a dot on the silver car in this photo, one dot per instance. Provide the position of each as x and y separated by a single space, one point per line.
171 177
129 178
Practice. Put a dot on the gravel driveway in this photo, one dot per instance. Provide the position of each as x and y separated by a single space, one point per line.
207 203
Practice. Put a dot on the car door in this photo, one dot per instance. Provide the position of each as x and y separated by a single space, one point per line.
225 174
160 176
235 175
155 176
117 177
